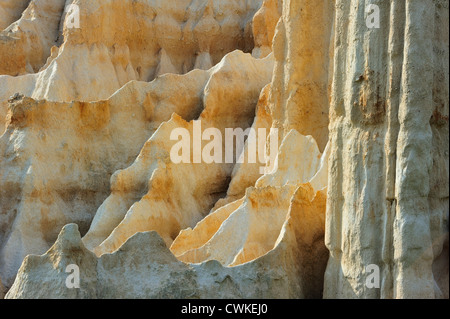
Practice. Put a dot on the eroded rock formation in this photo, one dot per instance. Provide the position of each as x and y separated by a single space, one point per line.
120 41
388 192
357 119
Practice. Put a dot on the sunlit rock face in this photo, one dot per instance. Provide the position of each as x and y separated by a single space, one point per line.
388 191
345 195
118 41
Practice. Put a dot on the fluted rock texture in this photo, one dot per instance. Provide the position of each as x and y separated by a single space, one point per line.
352 173
389 180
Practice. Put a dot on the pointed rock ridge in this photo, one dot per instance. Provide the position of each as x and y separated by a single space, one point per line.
10 11
63 172
305 219
130 184
297 161
255 250
264 25
191 239
320 179
95 60
369 105
251 230
157 273
245 174
26 44
65 165
208 24
188 203
165 64
68 246
139 200
67 254
143 267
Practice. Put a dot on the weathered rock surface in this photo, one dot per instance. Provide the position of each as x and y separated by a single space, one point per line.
66 154
2 290
10 11
106 59
269 225
119 41
141 190
303 51
250 227
360 179
126 272
264 25
26 44
389 180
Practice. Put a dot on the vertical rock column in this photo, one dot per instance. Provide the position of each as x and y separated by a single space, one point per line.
388 171
302 47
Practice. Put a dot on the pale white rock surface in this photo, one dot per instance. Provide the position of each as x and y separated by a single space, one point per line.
361 180
118 41
26 44
139 202
10 11
145 268
250 227
66 154
388 172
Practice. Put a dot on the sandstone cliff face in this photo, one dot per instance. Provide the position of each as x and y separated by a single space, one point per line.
64 170
26 43
10 11
359 177
303 49
388 192
120 41
141 189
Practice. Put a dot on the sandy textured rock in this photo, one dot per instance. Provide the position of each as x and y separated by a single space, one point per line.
360 180
139 200
191 239
297 162
303 50
281 273
66 154
26 44
118 41
245 174
250 226
53 171
2 290
249 232
388 191
10 11
264 25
